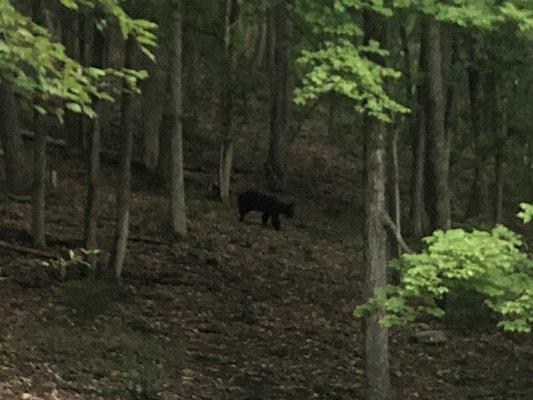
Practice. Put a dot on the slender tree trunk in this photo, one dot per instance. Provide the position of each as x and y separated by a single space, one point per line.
122 222
437 149
332 109
258 55
499 165
93 183
93 159
450 111
192 77
71 34
83 47
418 206
279 97
394 185
479 203
177 186
418 180
163 163
39 159
226 140
18 179
152 104
39 185
376 335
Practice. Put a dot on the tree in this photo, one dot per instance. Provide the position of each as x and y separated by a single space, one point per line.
279 95
437 149
376 335
39 160
118 253
178 214
17 175
358 71
226 140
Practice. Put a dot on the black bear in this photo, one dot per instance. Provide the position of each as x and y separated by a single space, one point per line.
252 200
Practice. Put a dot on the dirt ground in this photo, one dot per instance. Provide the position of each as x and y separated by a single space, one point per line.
237 311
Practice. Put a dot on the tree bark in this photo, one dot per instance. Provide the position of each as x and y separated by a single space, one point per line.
332 109
177 186
394 185
499 173
39 186
122 221
479 200
18 179
437 149
418 146
226 139
418 184
163 163
93 159
71 34
39 159
376 335
258 54
152 104
279 97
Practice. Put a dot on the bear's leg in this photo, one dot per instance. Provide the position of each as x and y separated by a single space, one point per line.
242 214
265 218
276 222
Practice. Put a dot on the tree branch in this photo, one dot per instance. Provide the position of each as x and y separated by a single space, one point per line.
395 231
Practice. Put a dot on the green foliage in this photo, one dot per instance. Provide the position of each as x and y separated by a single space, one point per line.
340 64
527 212
61 264
39 69
337 62
488 263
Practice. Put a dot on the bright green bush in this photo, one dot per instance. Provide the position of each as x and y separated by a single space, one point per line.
488 262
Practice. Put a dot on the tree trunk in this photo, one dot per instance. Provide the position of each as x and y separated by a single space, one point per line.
394 185
122 222
93 158
71 34
418 145
177 186
437 149
479 200
224 172
192 81
332 109
39 159
418 183
450 112
499 165
39 185
279 97
152 104
226 139
163 164
93 183
376 335
258 55
18 179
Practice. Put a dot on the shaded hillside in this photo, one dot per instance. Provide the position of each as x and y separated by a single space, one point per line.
237 311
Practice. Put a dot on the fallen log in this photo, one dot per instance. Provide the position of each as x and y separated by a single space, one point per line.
27 250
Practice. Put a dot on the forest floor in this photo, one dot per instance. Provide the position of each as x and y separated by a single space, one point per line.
237 311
